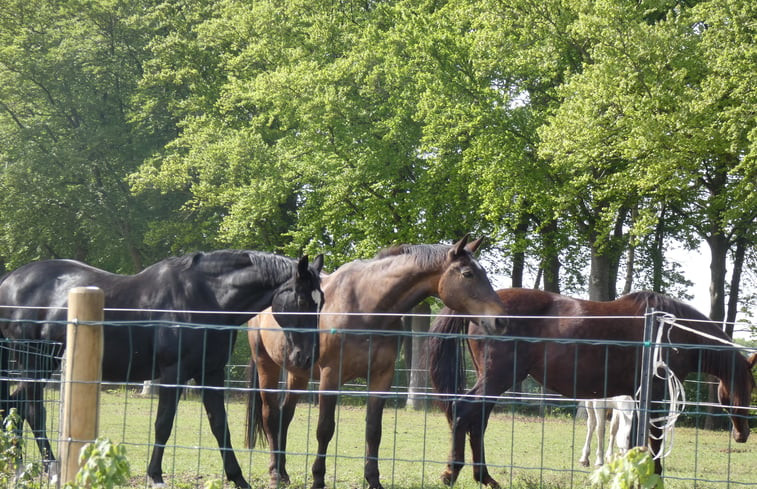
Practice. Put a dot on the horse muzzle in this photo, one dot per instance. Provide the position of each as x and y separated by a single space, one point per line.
494 326
303 358
740 436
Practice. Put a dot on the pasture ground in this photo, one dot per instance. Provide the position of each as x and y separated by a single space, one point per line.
523 452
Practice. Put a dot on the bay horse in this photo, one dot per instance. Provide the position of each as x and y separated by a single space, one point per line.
361 297
620 409
557 340
211 290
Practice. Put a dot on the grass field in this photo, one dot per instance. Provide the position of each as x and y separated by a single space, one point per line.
523 452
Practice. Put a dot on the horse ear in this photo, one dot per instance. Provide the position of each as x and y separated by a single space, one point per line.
458 247
752 360
318 263
473 245
302 267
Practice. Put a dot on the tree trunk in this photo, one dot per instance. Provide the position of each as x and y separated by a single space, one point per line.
551 262
630 264
519 264
519 256
733 294
599 277
658 253
719 252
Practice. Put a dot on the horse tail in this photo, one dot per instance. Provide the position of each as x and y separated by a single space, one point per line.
254 419
446 357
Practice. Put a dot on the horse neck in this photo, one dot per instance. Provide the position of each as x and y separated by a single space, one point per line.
250 288
721 364
393 287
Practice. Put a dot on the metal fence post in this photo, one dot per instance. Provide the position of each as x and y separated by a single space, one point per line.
645 383
81 377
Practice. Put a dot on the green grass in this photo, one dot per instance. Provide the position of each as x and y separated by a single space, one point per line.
413 453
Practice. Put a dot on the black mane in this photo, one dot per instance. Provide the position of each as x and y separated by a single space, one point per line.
269 267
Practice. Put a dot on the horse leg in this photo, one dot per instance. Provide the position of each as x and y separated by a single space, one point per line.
478 453
326 425
655 447
29 402
614 424
168 400
590 424
601 415
212 399
472 417
268 377
288 407
380 382
36 416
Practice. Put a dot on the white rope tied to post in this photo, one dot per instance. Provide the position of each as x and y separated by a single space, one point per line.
677 402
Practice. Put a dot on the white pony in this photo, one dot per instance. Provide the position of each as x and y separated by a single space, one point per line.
620 426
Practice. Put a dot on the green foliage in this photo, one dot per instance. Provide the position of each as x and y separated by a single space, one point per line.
67 73
213 484
565 130
103 465
12 472
633 470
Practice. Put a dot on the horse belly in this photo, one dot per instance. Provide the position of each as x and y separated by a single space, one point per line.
128 355
587 373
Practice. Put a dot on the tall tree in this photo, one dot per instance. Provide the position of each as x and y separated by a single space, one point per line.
653 100
67 72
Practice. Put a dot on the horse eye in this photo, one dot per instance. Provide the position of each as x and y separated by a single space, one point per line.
467 272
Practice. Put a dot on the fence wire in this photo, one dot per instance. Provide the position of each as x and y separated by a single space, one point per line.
534 437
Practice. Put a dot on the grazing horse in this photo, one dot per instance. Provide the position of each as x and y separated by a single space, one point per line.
621 409
220 288
580 349
361 297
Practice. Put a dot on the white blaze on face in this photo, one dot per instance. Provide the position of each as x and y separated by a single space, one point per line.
317 298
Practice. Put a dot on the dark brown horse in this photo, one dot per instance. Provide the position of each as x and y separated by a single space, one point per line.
601 359
392 284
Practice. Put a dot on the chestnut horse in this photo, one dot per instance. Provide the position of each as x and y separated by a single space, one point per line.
601 359
391 284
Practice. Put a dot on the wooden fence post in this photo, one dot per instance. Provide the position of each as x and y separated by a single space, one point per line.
81 377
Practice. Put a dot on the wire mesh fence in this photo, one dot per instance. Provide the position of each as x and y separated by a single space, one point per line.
535 437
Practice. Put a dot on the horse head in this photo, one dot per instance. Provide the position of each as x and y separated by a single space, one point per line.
295 307
739 397
465 287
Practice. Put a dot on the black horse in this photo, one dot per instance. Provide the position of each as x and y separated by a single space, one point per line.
220 288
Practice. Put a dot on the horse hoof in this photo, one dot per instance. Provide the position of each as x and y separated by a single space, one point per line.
447 478
278 482
241 483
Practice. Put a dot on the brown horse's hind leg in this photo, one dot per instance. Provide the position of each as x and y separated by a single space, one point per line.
380 382
326 427
457 457
471 414
477 429
268 380
278 471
